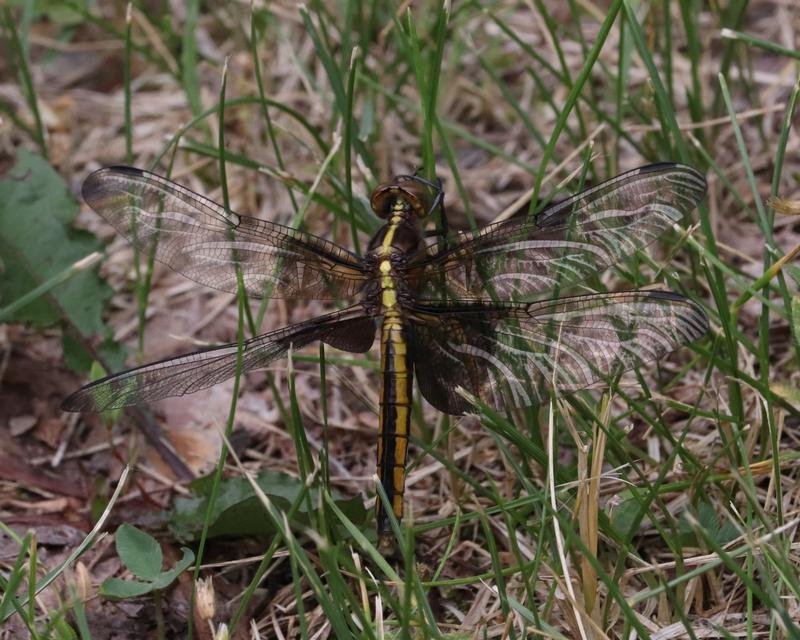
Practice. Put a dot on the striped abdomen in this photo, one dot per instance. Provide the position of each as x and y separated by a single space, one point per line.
394 419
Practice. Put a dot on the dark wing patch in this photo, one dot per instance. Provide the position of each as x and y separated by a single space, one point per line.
355 336
567 241
187 374
515 354
205 242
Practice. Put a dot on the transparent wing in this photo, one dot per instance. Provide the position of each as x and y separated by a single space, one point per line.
205 242
514 354
567 241
349 329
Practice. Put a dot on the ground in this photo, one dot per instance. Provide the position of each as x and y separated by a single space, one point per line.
671 509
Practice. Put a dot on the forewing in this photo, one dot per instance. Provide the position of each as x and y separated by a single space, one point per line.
567 241
348 329
205 242
515 354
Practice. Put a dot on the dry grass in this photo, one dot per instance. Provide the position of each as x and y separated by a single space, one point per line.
700 445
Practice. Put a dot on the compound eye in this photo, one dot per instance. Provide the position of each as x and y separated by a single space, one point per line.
383 196
415 195
418 196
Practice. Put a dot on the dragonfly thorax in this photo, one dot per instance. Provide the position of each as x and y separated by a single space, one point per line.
400 236
388 255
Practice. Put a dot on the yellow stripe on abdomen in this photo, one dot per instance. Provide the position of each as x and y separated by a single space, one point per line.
394 420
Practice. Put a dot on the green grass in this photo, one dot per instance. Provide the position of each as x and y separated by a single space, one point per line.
18 50
666 500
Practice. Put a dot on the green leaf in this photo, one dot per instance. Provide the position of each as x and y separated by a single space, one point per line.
721 532
624 515
38 244
139 552
238 512
59 12
56 11
63 631
709 521
96 371
116 588
786 390
794 272
796 319
166 578
78 359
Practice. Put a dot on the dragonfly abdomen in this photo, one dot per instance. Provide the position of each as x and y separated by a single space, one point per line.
394 419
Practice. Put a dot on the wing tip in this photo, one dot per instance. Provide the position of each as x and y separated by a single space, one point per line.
664 294
78 403
127 170
657 167
94 397
115 168
667 165
701 324
84 401
95 187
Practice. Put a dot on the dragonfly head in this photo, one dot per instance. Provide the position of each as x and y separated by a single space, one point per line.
408 194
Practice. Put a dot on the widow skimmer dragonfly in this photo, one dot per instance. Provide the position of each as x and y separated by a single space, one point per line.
459 316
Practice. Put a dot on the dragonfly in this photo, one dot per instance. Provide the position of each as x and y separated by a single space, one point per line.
469 318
